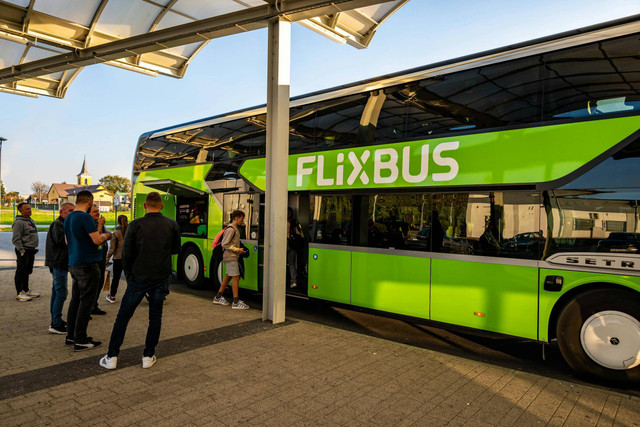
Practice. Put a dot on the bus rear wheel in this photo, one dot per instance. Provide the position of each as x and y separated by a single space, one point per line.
599 335
192 267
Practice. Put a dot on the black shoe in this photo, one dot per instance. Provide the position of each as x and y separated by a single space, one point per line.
98 311
58 329
88 345
68 341
63 323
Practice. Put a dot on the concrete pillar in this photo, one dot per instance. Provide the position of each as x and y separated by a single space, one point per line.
275 242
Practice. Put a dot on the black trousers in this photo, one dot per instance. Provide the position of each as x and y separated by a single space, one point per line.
83 296
24 269
102 265
117 273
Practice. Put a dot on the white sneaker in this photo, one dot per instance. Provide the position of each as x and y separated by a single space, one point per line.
109 362
221 301
148 362
240 305
22 297
32 294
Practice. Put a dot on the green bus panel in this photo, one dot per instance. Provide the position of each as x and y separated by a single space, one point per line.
330 275
573 279
492 297
393 283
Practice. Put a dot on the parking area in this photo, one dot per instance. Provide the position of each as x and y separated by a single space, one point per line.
222 367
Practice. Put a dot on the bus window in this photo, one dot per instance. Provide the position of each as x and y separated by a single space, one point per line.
192 215
331 219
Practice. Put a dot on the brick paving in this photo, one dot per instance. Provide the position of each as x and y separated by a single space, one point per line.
298 374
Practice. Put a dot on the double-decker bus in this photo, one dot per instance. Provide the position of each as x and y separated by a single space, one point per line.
497 192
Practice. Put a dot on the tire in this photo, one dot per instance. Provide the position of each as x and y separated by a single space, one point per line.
192 267
599 335
214 273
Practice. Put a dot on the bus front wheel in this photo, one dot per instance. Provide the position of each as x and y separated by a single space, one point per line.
192 267
599 335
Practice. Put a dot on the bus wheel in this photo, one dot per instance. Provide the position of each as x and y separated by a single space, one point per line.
192 267
599 335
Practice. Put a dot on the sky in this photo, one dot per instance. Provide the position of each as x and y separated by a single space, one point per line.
106 109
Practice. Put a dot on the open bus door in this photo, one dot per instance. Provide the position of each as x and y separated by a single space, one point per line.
250 235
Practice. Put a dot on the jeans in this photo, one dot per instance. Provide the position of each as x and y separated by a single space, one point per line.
136 290
117 273
292 263
59 294
24 269
84 287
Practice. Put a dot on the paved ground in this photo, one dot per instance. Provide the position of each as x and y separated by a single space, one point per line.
222 367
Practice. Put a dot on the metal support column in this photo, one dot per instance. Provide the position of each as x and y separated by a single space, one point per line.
276 197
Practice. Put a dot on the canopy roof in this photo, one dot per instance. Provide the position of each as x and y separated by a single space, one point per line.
44 44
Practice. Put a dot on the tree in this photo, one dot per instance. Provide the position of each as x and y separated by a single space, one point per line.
116 184
39 189
3 192
11 196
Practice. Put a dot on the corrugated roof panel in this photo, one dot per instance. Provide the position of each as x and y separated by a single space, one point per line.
171 19
126 18
199 9
81 12
23 3
11 53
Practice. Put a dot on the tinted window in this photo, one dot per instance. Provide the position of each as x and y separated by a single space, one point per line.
331 220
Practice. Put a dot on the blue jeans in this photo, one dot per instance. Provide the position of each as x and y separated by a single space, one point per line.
136 290
59 294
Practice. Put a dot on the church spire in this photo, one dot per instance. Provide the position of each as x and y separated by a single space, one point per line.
84 177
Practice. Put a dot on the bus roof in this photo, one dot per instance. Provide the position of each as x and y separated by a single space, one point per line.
593 33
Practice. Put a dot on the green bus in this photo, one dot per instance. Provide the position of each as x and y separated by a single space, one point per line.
497 192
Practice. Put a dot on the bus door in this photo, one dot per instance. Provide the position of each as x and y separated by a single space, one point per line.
298 243
250 204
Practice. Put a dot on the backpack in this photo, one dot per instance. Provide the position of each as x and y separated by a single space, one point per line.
217 243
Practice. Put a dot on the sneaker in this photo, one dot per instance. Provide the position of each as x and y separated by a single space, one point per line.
148 362
111 299
69 341
22 297
293 285
58 329
33 294
98 312
88 345
240 305
222 301
109 362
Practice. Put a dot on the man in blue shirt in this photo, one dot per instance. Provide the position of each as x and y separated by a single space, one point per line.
85 255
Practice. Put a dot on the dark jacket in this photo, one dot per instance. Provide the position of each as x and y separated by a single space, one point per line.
57 252
147 249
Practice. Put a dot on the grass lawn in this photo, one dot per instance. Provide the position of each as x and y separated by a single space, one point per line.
44 218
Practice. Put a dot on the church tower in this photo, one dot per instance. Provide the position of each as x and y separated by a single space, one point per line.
84 178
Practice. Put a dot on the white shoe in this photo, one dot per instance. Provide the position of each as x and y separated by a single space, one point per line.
109 362
240 305
32 294
148 362
22 297
220 301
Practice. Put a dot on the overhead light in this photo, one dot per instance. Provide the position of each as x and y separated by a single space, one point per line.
131 67
322 30
13 37
18 92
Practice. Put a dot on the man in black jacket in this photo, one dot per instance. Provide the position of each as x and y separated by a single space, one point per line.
146 260
57 259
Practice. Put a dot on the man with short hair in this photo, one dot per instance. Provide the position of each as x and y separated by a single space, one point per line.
83 239
230 256
57 259
25 240
146 260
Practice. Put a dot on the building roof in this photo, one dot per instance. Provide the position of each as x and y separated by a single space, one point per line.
44 44
62 189
90 188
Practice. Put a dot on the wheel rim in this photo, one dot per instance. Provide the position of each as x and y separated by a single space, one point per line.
220 272
191 267
612 339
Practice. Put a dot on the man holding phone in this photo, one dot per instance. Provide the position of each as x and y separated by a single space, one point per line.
85 255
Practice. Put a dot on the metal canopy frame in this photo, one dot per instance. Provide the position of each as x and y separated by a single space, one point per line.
42 48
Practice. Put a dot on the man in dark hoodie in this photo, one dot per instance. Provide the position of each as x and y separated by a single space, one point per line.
25 239
57 259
